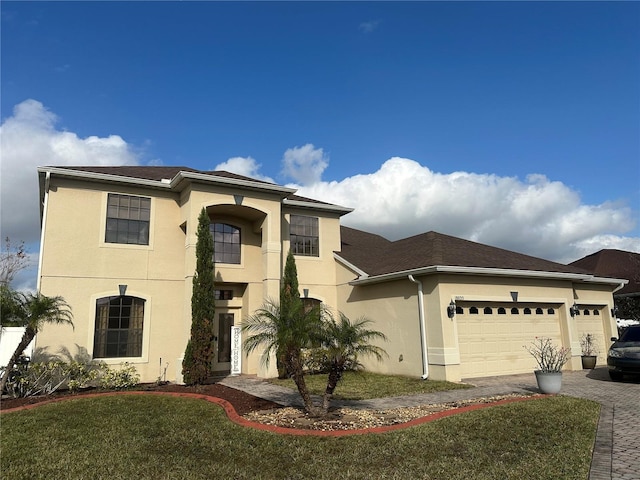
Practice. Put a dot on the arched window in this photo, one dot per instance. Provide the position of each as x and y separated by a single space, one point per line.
473 310
539 311
550 311
226 243
118 327
515 311
587 312
596 312
488 310
502 311
527 311
459 310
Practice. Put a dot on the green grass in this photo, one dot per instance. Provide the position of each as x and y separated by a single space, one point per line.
154 437
365 385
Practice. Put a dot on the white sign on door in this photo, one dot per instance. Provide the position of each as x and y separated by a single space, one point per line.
236 351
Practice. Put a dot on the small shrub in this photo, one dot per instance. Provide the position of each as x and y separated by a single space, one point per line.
82 375
112 379
38 378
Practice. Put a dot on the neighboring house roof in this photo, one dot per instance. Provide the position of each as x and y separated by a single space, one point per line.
375 256
614 263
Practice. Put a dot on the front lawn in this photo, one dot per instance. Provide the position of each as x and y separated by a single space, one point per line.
155 437
365 385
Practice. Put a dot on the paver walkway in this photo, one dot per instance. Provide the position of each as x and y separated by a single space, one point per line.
617 445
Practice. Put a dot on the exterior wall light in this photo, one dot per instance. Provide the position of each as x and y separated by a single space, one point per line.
574 310
451 309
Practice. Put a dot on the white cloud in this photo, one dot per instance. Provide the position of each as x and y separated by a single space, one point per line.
246 166
370 26
29 139
536 216
305 164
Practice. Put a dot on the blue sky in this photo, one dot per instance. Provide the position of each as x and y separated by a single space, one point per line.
511 123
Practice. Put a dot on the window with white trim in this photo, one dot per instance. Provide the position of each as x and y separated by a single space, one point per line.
304 236
118 327
128 219
226 243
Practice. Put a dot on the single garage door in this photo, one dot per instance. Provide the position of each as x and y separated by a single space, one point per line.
590 320
492 336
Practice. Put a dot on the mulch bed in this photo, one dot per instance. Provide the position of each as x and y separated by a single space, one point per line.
242 402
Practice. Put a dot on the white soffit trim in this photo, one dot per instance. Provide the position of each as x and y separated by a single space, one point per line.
173 184
499 272
317 206
103 177
350 266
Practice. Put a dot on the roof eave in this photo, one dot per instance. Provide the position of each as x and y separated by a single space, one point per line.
484 271
104 177
318 206
182 176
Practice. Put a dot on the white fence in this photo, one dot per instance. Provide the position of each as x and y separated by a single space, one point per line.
9 339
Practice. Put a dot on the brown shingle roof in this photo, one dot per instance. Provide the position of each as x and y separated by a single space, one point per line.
157 173
614 263
377 256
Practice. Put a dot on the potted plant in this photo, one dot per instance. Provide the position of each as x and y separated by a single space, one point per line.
550 359
589 351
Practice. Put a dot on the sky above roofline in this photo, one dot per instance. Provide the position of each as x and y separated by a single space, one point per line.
513 124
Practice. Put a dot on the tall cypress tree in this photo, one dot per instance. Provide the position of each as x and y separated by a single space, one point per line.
196 366
289 302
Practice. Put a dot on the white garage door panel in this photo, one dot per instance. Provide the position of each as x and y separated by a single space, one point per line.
593 324
492 344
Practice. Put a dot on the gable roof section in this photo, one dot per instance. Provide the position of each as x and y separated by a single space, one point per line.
614 263
374 257
174 178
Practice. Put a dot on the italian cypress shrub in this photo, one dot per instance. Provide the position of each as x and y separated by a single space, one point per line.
196 366
289 300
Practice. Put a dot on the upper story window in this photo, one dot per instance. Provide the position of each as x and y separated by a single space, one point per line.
226 243
118 327
304 236
128 219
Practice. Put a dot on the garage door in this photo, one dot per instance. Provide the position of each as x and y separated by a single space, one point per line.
589 320
492 336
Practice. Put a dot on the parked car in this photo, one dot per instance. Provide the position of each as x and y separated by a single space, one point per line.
624 355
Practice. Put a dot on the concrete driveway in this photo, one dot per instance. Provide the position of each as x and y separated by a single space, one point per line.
617 451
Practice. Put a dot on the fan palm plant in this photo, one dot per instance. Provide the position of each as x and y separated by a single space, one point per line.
31 311
285 331
343 343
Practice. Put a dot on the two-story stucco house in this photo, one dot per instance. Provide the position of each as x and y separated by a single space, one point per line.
118 243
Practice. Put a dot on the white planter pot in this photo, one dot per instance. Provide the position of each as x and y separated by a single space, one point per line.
549 382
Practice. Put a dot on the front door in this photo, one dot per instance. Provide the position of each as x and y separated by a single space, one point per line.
222 351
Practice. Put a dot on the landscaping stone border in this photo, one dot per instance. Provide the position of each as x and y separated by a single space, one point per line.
239 420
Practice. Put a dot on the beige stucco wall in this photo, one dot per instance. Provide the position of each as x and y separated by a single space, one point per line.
393 306
80 266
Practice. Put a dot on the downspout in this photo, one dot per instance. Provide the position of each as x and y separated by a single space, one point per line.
45 204
423 329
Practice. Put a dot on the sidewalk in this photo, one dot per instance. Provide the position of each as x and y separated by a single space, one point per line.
287 397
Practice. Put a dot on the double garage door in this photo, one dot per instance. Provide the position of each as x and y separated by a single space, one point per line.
492 337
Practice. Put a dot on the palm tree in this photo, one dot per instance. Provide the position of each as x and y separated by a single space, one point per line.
286 331
30 311
344 342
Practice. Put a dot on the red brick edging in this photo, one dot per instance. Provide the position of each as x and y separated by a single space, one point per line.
237 419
